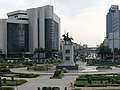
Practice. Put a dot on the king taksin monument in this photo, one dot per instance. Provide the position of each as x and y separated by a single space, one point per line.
68 54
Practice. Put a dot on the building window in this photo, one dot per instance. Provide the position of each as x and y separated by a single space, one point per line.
17 37
67 58
67 51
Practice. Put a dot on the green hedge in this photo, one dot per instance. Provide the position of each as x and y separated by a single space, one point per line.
22 75
58 74
14 83
50 88
5 71
98 80
81 79
6 88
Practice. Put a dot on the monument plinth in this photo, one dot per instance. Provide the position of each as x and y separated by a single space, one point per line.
68 55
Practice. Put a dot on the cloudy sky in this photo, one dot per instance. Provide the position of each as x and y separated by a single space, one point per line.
85 20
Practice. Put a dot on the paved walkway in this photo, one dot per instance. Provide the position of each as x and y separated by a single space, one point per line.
44 81
75 73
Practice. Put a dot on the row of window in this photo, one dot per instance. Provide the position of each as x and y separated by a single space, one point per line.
17 37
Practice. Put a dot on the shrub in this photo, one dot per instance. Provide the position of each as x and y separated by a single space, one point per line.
55 88
58 74
65 88
22 75
49 88
44 88
38 88
81 79
12 78
101 81
103 67
39 68
109 80
113 81
97 85
5 71
4 80
6 88
78 84
117 81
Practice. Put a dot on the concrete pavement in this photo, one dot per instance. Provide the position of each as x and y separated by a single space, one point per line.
45 81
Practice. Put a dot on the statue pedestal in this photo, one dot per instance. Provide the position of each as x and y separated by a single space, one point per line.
68 58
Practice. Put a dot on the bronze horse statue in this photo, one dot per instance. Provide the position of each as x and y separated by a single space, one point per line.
66 37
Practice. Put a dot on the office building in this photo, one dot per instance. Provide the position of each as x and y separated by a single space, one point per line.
28 29
113 27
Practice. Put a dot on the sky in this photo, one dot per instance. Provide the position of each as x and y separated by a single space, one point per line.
85 20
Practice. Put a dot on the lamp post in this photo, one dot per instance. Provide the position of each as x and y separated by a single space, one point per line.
113 11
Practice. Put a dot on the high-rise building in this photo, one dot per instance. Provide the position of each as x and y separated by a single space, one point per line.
113 27
29 29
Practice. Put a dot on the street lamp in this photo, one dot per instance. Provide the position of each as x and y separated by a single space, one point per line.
113 11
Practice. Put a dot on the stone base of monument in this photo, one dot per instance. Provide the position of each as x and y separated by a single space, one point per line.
68 67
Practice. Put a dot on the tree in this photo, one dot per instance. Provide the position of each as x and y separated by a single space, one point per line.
117 51
38 51
104 51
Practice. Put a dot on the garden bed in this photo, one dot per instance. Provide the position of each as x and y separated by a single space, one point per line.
103 80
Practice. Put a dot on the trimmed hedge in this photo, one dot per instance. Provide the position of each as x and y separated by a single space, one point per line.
98 80
5 71
50 88
22 75
6 88
58 74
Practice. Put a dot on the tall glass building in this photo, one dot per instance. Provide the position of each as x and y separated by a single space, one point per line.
113 27
17 38
51 36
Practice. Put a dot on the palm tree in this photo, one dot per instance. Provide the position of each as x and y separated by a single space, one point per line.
38 51
43 51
